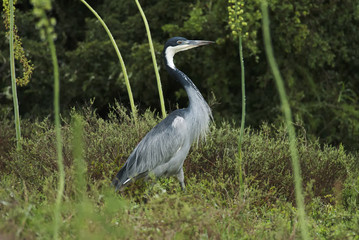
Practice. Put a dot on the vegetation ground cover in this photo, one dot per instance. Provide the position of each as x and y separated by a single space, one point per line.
212 207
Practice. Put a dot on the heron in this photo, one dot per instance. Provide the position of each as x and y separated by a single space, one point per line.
162 152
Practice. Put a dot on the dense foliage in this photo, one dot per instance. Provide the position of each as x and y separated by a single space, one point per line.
316 46
212 207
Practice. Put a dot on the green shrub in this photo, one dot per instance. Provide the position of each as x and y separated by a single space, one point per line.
212 206
108 143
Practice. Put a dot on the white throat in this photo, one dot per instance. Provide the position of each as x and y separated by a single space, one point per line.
169 54
171 51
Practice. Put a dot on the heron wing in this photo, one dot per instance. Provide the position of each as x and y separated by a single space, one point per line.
159 145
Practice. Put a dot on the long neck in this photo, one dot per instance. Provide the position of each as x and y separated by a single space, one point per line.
194 95
200 112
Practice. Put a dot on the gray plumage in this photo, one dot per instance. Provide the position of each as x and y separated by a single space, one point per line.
162 151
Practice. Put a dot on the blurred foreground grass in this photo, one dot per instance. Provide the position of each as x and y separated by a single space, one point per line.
212 207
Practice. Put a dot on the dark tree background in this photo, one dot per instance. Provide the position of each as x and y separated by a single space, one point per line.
316 46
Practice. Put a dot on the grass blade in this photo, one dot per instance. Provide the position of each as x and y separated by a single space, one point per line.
61 181
13 77
241 132
159 85
46 27
127 82
77 152
235 18
288 120
80 172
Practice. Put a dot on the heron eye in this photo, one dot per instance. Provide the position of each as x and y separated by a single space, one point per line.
179 42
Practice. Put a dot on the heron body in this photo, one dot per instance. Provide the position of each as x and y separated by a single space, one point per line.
162 151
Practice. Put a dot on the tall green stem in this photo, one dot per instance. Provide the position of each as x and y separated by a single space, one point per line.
47 31
159 86
61 182
127 82
288 119
79 162
237 29
241 132
13 77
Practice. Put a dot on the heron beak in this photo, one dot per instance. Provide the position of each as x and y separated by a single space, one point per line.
197 43
189 44
193 44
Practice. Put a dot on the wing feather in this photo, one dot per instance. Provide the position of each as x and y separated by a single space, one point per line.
158 146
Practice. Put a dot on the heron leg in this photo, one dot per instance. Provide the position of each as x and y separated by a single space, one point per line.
180 177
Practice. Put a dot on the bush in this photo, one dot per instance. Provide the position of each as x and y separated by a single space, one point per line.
212 206
108 143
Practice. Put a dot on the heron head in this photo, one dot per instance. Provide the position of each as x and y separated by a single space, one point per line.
178 44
